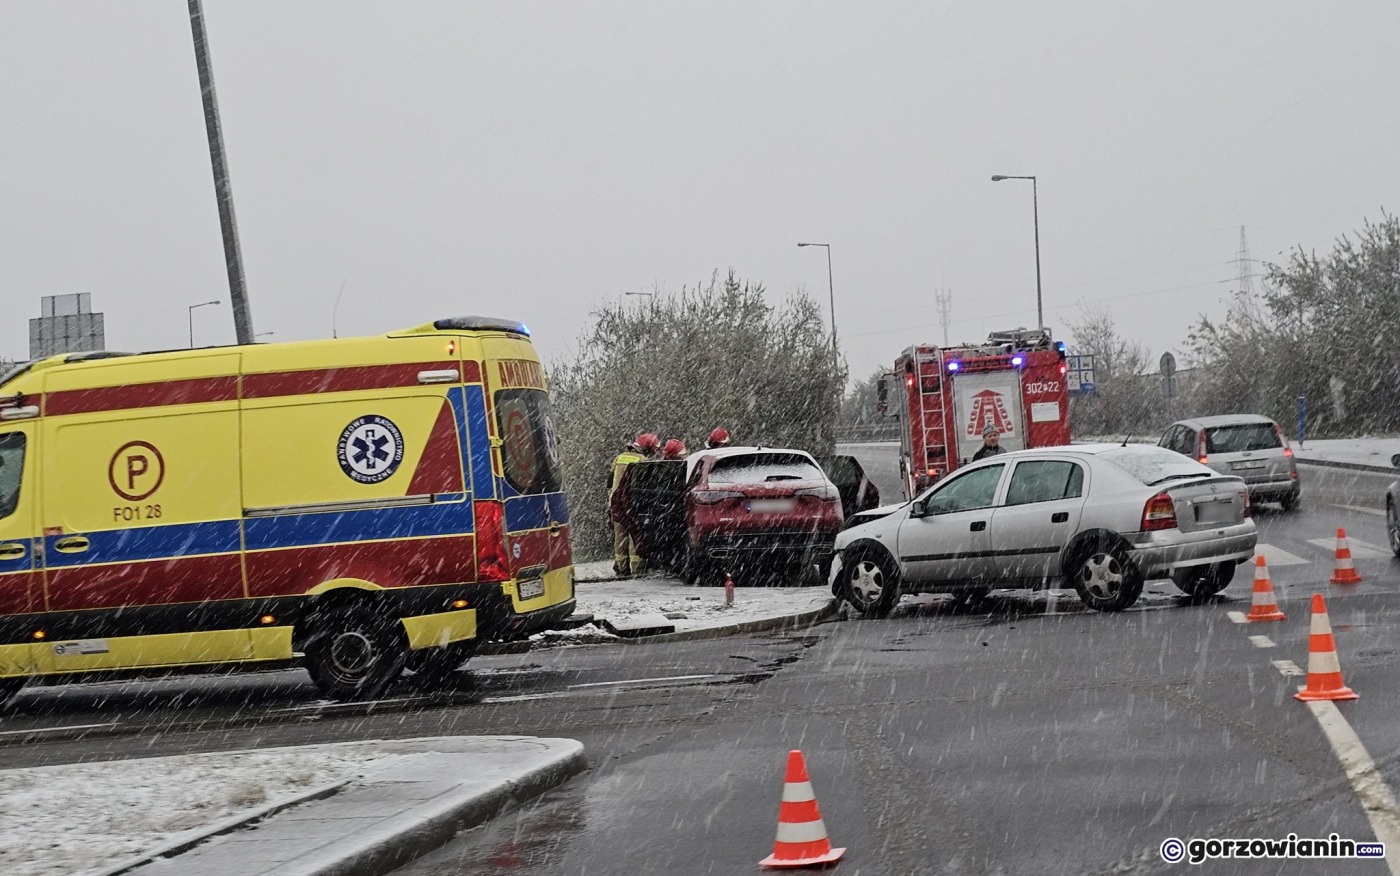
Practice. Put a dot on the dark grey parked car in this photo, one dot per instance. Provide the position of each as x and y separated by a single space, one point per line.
1245 445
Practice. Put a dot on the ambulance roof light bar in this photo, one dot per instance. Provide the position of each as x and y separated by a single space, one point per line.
481 323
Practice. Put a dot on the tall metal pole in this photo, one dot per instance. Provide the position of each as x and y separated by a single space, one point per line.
831 292
1035 207
223 190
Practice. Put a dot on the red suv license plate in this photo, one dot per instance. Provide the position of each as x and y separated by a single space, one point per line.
771 506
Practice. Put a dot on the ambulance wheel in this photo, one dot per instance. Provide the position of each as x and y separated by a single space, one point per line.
1202 581
352 653
9 687
437 665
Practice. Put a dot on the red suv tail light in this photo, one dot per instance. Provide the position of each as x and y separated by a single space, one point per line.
826 493
714 497
1159 513
1201 456
1248 508
491 562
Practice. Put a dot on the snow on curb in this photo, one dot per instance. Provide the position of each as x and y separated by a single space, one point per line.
58 820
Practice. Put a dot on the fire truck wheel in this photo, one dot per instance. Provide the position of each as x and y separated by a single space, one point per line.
1105 578
870 583
353 652
437 665
9 687
1202 581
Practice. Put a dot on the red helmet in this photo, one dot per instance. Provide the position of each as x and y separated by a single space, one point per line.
647 442
674 448
718 438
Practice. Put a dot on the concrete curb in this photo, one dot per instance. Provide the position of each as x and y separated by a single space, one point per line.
789 621
188 841
388 848
1353 466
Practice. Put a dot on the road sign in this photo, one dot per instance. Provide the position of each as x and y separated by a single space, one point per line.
1079 372
1168 364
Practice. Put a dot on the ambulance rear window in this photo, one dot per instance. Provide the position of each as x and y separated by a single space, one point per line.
529 445
11 466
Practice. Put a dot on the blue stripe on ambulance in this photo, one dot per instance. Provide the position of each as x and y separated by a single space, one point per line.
146 543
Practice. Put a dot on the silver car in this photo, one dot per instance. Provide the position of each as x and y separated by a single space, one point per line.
1104 517
1247 445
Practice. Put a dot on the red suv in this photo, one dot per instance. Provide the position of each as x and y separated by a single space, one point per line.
736 510
750 508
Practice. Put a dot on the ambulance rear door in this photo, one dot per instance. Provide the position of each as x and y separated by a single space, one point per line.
990 398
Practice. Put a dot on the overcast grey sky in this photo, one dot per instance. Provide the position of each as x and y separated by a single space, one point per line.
531 160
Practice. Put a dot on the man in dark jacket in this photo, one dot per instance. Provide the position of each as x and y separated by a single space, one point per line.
991 444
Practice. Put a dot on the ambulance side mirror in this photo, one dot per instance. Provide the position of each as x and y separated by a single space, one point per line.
882 396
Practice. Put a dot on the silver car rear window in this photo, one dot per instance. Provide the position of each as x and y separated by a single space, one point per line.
1154 465
1245 436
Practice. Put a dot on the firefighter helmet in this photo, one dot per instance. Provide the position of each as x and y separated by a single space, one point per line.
647 442
674 448
718 438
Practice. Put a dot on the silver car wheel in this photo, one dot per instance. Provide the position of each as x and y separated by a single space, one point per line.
867 582
1102 575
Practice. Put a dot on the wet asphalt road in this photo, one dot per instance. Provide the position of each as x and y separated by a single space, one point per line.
1029 736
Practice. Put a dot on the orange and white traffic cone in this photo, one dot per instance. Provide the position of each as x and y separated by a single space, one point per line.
1324 670
1265 606
1344 572
802 839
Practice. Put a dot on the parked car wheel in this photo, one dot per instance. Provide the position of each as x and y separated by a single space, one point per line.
870 583
1105 578
353 652
1289 501
1392 527
699 571
1201 581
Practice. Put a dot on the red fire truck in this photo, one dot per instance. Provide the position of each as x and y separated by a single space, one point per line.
946 396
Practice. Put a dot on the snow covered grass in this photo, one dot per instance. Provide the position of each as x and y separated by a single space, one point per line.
62 820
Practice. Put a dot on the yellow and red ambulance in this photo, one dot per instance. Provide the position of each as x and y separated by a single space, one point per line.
360 504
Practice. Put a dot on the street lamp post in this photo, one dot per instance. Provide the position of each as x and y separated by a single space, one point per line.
1035 209
192 308
831 291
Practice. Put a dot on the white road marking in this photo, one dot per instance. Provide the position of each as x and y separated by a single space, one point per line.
1287 668
641 681
1237 616
1359 549
43 730
1276 556
1374 512
1375 797
1262 642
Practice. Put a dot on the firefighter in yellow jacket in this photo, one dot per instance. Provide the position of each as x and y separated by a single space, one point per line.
626 560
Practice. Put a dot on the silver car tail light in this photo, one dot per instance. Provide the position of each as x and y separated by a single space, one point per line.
1159 513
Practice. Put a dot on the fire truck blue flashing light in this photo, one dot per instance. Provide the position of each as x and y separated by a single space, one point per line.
953 366
1060 345
1017 361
